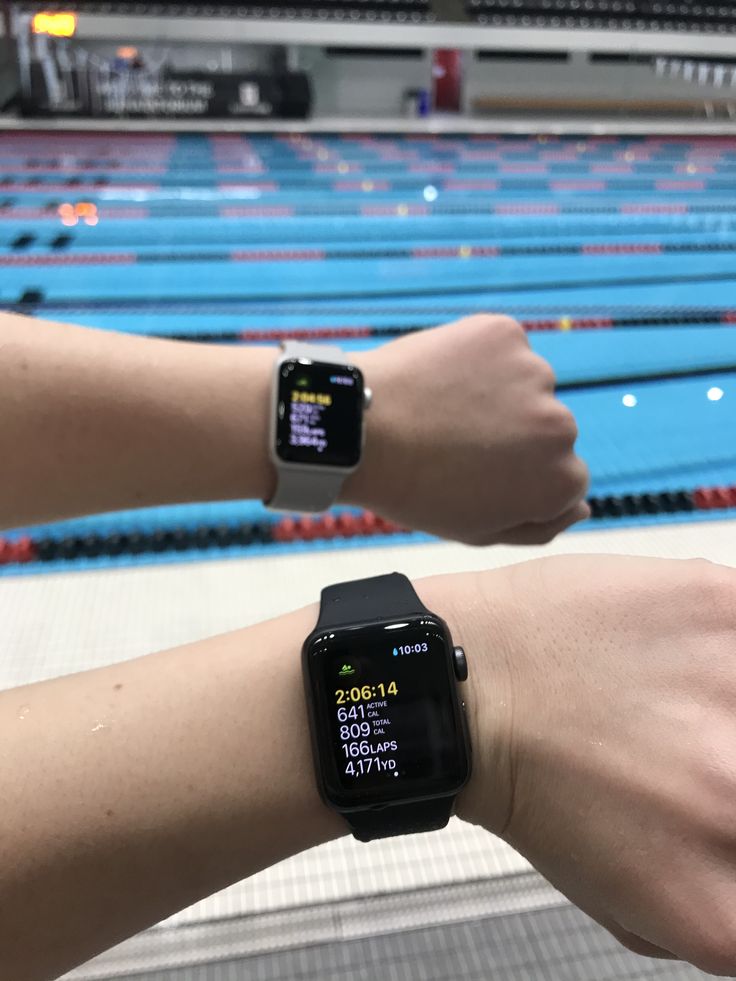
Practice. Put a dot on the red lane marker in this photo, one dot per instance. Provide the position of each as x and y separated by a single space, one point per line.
101 145
680 186
349 332
23 214
614 248
82 259
592 323
348 525
224 167
23 550
481 155
611 168
124 213
729 317
374 210
361 186
254 336
328 526
346 332
523 168
712 498
711 141
369 523
284 530
40 214
384 527
577 185
433 253
305 255
307 528
79 169
460 185
338 168
703 499
280 211
248 185
77 189
257 336
433 168
5 551
559 156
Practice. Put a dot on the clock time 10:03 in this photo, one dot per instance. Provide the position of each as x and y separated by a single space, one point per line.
420 648
364 693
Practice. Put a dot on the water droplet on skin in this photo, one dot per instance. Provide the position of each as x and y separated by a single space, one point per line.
99 725
24 711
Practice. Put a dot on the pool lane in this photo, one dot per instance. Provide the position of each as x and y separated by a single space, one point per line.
618 256
43 236
132 283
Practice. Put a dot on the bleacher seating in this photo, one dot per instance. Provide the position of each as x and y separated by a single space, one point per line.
376 11
369 10
628 15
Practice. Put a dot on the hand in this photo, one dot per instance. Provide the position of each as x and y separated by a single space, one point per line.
605 741
465 438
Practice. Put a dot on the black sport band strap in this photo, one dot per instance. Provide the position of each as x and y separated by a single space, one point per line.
401 819
382 598
378 598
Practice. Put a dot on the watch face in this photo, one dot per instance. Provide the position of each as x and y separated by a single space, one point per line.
387 725
319 413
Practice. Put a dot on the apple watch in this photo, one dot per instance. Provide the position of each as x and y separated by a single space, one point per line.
389 734
316 433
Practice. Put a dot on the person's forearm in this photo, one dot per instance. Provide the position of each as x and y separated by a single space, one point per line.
480 451
132 791
600 701
94 421
138 789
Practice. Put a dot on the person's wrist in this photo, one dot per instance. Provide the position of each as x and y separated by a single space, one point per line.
253 371
478 611
362 487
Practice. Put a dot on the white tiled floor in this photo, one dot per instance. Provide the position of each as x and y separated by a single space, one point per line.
60 623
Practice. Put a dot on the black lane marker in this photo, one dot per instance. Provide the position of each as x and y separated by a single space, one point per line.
654 376
514 287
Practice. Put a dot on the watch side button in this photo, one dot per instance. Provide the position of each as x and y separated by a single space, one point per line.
367 398
460 663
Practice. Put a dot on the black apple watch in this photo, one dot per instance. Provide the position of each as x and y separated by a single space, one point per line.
389 734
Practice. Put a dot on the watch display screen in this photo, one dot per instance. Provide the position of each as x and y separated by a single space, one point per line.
319 413
386 717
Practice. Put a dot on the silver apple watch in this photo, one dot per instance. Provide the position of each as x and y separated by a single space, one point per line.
316 433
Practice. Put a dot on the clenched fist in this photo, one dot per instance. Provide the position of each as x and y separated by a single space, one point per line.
466 439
